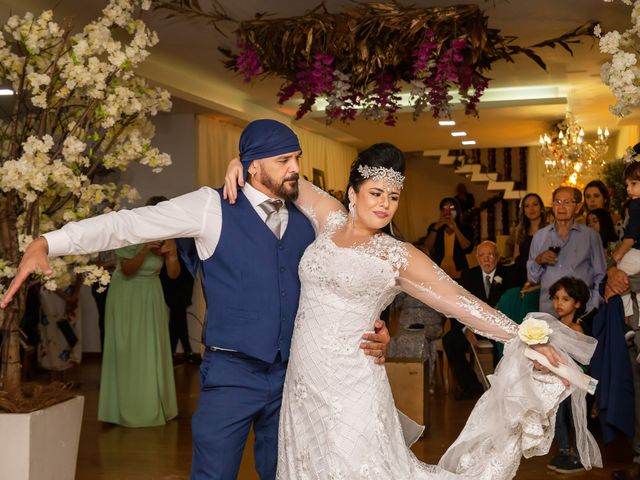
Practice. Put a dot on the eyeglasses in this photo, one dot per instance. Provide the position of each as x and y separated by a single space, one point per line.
558 202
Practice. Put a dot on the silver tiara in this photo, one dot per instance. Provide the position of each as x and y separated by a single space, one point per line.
387 175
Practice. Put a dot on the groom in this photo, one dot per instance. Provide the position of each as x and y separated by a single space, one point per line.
249 275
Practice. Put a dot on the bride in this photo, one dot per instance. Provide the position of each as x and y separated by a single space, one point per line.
338 419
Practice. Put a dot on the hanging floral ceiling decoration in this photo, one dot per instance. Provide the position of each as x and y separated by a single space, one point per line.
361 58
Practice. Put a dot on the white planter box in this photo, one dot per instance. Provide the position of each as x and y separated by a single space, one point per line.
41 445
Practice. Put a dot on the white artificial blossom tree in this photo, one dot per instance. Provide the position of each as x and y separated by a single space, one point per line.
622 73
78 111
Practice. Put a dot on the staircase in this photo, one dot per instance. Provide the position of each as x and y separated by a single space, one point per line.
493 218
474 172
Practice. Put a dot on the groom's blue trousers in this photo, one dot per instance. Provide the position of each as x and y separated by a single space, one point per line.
236 392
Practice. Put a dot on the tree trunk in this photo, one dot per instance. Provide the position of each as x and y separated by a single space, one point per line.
13 369
11 366
12 315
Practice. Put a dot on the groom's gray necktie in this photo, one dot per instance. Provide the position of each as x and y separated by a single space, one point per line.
271 208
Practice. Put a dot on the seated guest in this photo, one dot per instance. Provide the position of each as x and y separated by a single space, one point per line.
449 239
487 281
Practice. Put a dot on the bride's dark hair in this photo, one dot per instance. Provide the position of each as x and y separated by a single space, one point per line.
377 155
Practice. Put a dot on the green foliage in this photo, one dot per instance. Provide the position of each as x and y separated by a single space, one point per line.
613 177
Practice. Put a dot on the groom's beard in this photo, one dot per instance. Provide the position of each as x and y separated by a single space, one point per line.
287 189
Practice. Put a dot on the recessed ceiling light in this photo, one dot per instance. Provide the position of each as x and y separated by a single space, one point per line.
468 142
458 134
6 91
446 123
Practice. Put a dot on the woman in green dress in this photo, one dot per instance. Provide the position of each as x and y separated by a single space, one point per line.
137 387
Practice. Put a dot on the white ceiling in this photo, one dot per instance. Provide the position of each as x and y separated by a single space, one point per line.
188 63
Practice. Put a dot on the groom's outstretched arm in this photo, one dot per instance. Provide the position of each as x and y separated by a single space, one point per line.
183 216
35 259
375 344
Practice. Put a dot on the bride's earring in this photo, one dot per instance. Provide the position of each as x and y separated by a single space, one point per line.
391 229
352 212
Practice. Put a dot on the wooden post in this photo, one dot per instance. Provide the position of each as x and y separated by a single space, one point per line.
476 225
524 153
491 160
508 167
477 157
506 220
491 221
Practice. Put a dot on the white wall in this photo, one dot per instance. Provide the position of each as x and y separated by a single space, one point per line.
175 135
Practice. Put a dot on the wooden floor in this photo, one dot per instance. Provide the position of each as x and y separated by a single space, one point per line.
117 453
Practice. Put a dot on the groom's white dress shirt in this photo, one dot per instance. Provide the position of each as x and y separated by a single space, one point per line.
197 214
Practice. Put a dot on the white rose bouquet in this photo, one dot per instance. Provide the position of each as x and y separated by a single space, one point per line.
534 332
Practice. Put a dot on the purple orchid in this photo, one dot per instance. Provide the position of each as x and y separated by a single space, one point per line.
384 101
311 80
423 55
433 73
248 63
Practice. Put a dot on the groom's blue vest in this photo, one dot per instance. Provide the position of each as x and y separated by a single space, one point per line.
251 282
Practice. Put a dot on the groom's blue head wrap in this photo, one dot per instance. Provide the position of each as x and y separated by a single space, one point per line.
266 138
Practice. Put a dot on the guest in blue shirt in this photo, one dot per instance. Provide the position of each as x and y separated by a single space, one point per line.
566 248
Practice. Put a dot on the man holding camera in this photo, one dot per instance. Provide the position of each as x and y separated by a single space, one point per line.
449 240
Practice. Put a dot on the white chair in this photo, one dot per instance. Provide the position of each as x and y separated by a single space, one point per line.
484 347
442 371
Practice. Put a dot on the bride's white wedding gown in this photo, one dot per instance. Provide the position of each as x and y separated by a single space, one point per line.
338 418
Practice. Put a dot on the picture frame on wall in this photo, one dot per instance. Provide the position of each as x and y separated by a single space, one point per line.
318 178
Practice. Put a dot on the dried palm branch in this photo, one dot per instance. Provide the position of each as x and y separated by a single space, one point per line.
362 57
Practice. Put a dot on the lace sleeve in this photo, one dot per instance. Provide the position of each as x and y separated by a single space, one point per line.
427 282
316 204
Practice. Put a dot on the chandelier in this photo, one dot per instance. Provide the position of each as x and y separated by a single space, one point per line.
568 158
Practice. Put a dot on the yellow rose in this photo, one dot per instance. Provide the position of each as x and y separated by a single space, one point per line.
534 332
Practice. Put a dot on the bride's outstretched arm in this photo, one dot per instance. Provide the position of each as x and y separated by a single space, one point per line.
427 282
